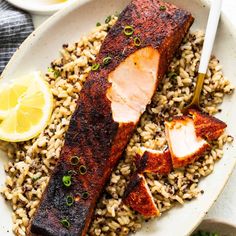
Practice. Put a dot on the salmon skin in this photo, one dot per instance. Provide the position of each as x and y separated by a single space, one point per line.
96 137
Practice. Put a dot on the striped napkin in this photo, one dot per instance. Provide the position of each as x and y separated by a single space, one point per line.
15 26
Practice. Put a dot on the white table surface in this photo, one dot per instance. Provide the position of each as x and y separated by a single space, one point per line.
225 207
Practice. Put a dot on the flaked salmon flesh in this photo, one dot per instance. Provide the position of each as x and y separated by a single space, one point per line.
188 137
183 142
133 84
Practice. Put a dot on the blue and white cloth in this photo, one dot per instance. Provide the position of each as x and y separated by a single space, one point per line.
15 26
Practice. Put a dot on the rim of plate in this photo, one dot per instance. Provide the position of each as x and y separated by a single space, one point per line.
42 9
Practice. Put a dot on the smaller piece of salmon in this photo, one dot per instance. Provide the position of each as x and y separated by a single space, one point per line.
154 161
188 136
206 126
138 196
184 144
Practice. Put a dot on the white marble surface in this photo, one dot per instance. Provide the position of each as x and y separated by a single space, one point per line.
225 207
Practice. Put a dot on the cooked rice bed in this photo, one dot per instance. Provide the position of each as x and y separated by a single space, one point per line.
31 162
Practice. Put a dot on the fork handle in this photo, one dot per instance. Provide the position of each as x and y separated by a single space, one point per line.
211 29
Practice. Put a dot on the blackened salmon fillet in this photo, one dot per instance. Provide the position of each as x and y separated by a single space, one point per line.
108 110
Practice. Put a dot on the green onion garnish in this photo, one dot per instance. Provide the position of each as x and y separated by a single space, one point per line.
107 60
162 8
71 172
56 73
108 19
128 30
65 223
82 170
66 179
50 69
85 195
172 74
74 160
137 41
98 24
95 66
69 200
35 178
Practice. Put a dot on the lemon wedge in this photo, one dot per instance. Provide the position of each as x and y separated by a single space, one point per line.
25 107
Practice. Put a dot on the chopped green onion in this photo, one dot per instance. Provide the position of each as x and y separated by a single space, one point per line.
137 41
50 69
162 8
95 66
172 74
35 178
98 24
71 172
74 160
107 60
69 200
85 195
66 179
128 30
56 73
65 223
108 19
82 170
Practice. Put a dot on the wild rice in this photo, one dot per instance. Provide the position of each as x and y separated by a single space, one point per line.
31 162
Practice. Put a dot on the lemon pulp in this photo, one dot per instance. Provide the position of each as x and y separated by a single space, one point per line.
25 107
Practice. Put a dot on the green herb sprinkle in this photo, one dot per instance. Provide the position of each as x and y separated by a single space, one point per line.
95 67
69 200
107 60
74 160
66 179
71 172
162 8
85 195
65 223
128 30
108 19
137 41
82 170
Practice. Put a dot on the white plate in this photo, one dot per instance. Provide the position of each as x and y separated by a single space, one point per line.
217 226
41 7
69 25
